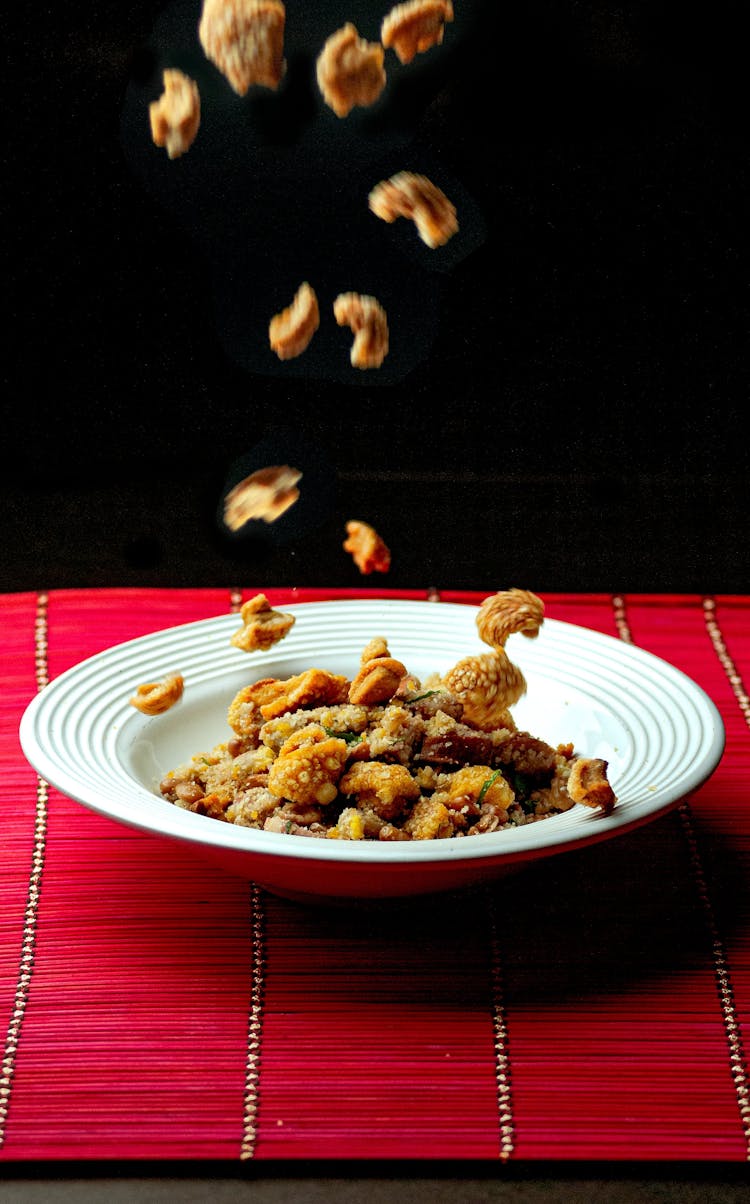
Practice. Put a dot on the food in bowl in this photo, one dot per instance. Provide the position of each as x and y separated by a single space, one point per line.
386 756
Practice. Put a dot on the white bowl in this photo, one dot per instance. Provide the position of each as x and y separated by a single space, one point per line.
659 731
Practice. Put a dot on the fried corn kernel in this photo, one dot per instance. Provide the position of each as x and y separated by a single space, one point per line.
155 697
350 71
314 687
266 494
588 783
380 787
377 681
486 686
415 26
415 197
176 115
509 611
308 767
350 826
370 553
290 332
262 626
368 322
245 40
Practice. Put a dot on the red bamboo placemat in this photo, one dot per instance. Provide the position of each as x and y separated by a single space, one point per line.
592 1007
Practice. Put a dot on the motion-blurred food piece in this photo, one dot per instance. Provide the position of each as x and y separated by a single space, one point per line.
265 494
414 27
290 331
367 320
176 115
416 197
245 40
509 611
350 70
262 626
155 697
368 550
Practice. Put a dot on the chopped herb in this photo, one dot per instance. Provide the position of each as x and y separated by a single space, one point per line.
486 785
288 826
527 806
349 737
419 697
521 786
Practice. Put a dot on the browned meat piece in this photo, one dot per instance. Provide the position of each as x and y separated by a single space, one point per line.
447 742
527 755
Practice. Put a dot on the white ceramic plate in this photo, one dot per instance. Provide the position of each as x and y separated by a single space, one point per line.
659 731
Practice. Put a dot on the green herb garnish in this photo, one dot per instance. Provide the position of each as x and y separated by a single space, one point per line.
486 785
419 697
521 786
348 737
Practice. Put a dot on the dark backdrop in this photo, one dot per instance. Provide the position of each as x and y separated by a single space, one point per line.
564 403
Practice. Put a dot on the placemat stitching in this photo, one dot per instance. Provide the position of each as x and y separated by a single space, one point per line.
738 1061
500 1031
254 1028
28 942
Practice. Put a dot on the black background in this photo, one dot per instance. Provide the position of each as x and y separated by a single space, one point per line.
564 404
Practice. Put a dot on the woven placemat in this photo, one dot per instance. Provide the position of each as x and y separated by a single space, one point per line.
593 1007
